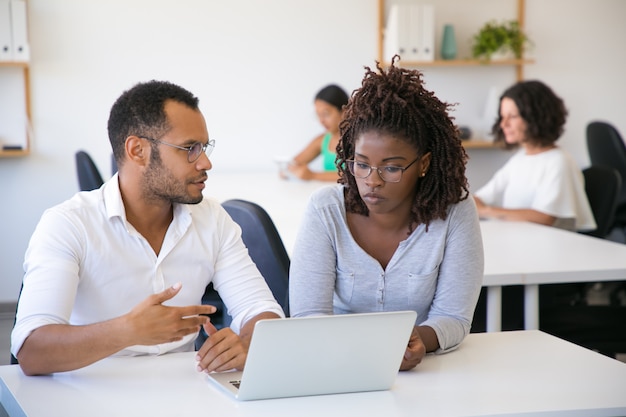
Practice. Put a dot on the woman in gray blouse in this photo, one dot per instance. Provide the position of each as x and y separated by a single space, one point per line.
398 232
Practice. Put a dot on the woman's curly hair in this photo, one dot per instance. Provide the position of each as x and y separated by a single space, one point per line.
543 111
396 103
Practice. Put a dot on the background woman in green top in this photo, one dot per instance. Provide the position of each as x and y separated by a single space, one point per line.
329 103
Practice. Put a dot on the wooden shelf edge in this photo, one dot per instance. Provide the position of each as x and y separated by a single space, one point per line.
18 64
479 144
462 63
14 154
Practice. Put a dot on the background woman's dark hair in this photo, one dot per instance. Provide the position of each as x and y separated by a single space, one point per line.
396 103
333 95
140 111
543 111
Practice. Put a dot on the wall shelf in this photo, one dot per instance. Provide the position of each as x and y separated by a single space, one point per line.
25 70
518 64
478 144
463 63
515 64
14 153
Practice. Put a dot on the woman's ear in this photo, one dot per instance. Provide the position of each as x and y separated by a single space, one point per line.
425 163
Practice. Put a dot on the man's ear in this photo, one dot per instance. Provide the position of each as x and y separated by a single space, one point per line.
137 150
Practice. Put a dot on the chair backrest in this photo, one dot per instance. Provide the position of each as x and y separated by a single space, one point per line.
606 148
266 249
113 165
89 177
264 244
602 185
13 360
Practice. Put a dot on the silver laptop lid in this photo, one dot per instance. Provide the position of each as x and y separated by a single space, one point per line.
324 355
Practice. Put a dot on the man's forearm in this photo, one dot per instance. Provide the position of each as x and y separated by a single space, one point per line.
60 347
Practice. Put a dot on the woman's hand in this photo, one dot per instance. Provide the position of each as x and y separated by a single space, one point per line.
414 353
300 171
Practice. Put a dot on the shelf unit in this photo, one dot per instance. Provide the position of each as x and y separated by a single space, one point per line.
25 70
517 64
26 74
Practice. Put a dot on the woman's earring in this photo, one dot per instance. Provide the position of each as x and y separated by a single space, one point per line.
423 174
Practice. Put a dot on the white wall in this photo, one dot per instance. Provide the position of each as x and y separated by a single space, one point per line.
256 65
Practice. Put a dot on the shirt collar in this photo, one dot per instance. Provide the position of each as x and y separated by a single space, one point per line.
114 205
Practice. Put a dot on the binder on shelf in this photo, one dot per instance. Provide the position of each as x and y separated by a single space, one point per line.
19 30
426 23
410 32
415 37
397 32
6 44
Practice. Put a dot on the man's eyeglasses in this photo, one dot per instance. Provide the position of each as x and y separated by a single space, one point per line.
388 173
193 151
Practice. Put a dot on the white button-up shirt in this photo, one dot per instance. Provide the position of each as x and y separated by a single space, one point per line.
86 263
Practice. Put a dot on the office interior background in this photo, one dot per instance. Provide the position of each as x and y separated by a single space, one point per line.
256 66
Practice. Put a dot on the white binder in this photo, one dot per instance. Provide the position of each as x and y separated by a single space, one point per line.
397 32
410 32
415 36
19 26
427 33
6 44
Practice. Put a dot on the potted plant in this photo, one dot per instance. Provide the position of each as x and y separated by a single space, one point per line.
506 38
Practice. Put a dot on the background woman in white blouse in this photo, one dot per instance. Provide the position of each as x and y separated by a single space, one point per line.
541 182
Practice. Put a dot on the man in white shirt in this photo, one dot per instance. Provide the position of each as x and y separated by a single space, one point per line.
122 269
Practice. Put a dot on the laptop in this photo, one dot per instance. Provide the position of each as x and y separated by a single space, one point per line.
318 355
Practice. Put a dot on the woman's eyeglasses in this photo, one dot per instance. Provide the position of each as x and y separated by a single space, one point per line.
388 173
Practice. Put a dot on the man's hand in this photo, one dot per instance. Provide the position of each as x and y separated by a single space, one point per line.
415 351
64 347
223 350
153 323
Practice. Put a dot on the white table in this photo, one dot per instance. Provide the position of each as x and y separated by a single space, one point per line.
516 253
504 373
530 254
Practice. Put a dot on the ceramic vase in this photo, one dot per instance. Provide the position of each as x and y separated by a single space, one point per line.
448 43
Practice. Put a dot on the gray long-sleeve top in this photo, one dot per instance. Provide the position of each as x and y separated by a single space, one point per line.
437 273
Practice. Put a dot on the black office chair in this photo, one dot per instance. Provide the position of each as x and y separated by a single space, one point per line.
113 165
14 360
89 177
266 249
565 310
602 186
606 148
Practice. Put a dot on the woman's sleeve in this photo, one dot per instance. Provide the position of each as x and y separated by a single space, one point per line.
460 278
312 273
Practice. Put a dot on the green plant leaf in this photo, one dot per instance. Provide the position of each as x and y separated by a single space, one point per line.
494 36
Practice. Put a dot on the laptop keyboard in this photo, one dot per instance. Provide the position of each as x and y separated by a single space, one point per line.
236 383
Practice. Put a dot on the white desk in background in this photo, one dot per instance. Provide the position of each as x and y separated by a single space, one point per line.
532 254
516 253
527 373
284 200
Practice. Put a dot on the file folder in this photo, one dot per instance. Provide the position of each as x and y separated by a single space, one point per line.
19 29
397 32
6 44
415 37
427 33
410 32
